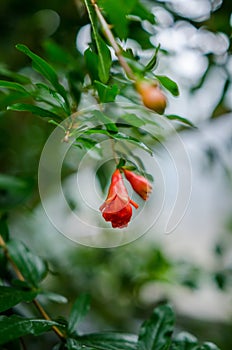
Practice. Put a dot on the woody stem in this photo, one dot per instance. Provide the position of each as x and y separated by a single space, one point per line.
109 35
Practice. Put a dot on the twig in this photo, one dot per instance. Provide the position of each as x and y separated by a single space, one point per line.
113 150
16 270
109 35
21 278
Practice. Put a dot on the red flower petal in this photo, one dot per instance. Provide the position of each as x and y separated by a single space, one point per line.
139 183
117 206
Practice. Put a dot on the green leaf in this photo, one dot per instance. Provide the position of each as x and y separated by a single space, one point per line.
133 120
151 64
11 296
32 267
15 76
138 34
45 69
14 327
91 59
57 298
84 142
155 333
121 163
143 13
184 341
38 111
72 344
106 93
9 99
117 12
14 190
4 230
120 136
104 62
169 84
12 182
79 310
104 56
208 346
46 94
13 86
59 54
101 117
180 119
96 131
103 174
140 144
109 341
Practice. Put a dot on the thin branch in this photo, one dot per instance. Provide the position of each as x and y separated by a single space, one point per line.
113 151
21 278
109 35
16 270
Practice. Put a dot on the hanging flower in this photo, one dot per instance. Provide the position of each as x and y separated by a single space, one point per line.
117 206
139 183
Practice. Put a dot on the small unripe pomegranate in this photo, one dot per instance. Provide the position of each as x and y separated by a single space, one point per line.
152 96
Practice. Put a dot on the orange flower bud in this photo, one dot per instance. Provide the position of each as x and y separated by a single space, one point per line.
152 96
117 206
139 183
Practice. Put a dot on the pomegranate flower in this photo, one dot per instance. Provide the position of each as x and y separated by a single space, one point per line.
139 183
117 206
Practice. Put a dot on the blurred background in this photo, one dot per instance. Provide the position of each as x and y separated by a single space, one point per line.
192 266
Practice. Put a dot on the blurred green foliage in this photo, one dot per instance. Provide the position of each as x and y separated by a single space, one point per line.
116 279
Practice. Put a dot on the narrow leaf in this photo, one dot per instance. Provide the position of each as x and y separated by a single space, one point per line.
155 333
57 298
96 131
14 327
12 182
91 60
140 144
15 190
117 12
109 341
184 341
180 119
32 267
104 62
169 84
121 136
102 118
143 13
45 69
106 93
133 120
38 111
208 346
72 344
13 86
85 142
14 76
43 89
151 64
79 310
10 297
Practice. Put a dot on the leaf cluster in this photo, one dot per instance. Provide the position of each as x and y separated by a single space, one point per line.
29 270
